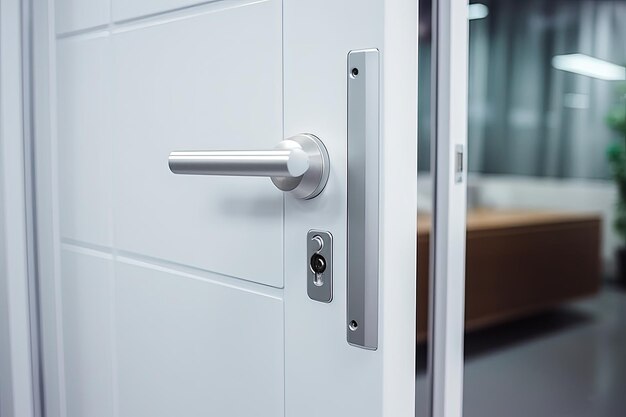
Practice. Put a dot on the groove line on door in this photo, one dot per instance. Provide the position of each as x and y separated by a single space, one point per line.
199 274
149 262
159 18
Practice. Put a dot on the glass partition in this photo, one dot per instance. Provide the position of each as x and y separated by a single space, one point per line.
546 216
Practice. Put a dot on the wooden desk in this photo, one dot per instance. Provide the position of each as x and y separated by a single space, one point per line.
518 263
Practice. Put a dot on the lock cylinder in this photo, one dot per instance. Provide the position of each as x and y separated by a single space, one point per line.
318 263
319 266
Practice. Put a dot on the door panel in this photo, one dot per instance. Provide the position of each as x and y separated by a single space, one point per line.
173 87
72 15
211 81
128 9
87 293
140 314
171 331
84 139
164 336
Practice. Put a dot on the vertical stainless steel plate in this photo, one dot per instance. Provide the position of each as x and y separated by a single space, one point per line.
319 285
363 197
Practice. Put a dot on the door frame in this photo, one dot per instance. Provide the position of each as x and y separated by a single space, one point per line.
19 370
449 59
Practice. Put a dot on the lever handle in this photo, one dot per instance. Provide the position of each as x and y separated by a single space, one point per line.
298 165
276 163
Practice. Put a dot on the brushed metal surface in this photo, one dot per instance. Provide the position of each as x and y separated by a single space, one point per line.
299 165
363 198
275 163
320 286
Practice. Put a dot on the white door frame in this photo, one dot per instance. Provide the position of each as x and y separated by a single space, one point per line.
447 280
17 390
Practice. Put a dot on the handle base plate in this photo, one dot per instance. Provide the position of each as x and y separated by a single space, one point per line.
314 180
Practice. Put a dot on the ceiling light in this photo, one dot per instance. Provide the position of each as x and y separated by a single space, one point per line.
589 66
477 11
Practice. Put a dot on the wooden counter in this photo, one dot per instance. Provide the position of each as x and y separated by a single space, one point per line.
518 263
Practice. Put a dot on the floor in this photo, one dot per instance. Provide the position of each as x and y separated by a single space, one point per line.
569 362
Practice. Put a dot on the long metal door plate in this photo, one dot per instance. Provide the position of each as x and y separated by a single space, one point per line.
363 198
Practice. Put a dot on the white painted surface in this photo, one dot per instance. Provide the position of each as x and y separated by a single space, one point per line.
128 9
87 294
210 314
350 381
73 15
398 221
16 389
84 139
190 346
207 81
47 208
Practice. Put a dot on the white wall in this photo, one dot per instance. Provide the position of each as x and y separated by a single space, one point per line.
516 192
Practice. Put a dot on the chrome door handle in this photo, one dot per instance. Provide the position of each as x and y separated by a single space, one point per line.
298 165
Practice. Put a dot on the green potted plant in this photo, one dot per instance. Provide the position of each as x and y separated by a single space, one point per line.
617 161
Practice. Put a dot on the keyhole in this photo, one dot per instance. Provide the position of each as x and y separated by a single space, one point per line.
318 264
318 281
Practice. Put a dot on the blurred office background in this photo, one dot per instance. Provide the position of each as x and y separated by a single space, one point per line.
545 305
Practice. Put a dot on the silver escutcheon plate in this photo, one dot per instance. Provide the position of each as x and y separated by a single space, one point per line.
363 197
319 284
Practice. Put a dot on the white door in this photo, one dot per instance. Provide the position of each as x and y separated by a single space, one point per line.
194 295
